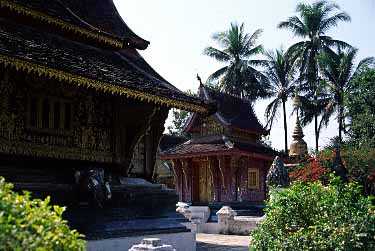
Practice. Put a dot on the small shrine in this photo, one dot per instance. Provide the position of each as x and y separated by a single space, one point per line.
82 113
224 161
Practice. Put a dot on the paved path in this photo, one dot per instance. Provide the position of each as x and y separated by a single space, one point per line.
214 242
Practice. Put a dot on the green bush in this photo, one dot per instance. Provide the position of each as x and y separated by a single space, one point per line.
27 224
310 216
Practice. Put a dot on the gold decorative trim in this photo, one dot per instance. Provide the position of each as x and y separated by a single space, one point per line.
45 151
65 25
97 85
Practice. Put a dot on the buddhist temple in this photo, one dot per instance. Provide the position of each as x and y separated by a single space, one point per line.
82 113
224 161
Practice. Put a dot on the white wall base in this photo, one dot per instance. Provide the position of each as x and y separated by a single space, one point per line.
180 241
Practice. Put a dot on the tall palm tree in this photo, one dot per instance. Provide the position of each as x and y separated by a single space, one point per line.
239 76
313 23
338 70
280 70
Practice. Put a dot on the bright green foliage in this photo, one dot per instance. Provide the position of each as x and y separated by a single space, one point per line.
237 51
27 224
178 122
314 217
361 106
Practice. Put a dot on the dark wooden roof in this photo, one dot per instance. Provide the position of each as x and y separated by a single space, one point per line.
232 111
103 15
169 141
97 16
122 72
212 145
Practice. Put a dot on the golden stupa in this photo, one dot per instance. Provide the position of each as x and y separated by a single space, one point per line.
298 148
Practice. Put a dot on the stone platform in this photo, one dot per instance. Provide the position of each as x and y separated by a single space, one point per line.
215 242
184 241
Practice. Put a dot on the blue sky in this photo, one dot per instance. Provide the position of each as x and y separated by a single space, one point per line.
179 30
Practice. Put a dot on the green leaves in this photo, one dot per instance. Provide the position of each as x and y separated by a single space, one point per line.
316 217
32 225
239 77
361 105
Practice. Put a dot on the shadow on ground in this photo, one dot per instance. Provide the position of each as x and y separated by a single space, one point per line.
201 246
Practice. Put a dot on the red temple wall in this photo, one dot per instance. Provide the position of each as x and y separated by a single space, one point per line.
229 182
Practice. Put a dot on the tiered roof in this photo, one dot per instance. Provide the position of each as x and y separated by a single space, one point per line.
85 43
231 111
218 145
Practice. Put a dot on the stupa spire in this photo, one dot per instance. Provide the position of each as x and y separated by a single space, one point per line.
298 148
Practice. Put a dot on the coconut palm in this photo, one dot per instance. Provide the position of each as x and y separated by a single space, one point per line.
338 70
280 71
313 23
239 76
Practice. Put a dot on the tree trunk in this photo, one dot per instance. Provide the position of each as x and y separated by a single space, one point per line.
316 133
285 129
340 123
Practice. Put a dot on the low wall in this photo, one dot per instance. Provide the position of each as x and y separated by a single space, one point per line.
243 225
228 222
180 241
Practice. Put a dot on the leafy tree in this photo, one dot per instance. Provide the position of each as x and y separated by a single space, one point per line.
313 23
280 69
239 77
27 224
179 119
311 216
361 107
339 71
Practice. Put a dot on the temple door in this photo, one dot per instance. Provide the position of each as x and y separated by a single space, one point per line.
205 182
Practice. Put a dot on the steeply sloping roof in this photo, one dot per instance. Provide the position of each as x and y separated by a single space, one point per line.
217 145
169 141
231 111
117 72
99 17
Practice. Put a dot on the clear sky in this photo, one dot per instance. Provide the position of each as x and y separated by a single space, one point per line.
179 30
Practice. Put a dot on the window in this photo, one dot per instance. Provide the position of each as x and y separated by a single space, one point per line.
68 116
253 178
57 115
45 113
33 112
50 113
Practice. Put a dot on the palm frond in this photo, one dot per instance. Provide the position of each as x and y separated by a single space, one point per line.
217 54
295 25
334 20
217 74
271 112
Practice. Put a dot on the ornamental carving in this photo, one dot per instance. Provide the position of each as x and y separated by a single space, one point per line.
43 119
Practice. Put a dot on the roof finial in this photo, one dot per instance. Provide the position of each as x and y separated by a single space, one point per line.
200 80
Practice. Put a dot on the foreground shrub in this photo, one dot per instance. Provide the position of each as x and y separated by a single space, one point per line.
27 224
310 216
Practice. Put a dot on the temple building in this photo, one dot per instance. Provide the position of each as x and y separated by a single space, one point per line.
82 113
224 161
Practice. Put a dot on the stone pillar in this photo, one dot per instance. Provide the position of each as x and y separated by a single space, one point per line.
151 244
225 215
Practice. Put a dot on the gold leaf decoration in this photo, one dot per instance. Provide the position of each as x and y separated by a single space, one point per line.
98 85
